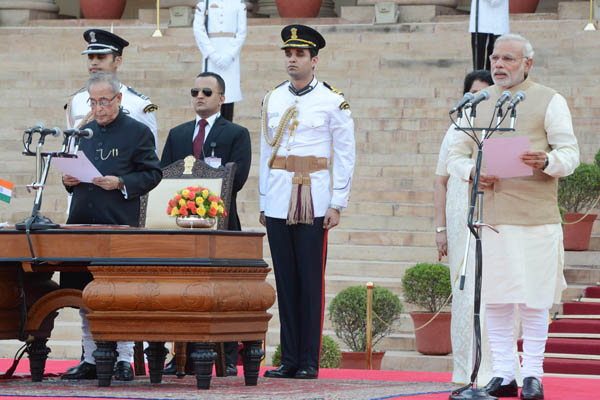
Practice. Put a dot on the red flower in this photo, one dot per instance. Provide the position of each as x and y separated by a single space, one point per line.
190 204
183 211
193 210
218 199
172 203
169 209
190 188
224 213
177 197
212 212
191 195
211 198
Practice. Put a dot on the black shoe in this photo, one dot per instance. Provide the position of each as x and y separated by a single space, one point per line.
307 373
171 367
231 370
281 372
82 371
123 371
532 389
497 389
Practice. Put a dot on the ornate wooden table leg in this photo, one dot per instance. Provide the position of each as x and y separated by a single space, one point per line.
203 357
106 356
180 358
252 356
38 353
156 353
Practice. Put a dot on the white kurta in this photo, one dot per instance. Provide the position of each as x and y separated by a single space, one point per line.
223 53
322 125
524 263
493 16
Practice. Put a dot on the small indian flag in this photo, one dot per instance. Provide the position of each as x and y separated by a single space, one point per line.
6 189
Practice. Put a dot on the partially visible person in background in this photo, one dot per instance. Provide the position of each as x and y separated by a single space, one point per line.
451 207
220 32
493 22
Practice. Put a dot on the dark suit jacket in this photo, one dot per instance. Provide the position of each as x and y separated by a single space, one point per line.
232 145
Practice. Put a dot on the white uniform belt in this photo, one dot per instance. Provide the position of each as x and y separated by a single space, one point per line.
221 34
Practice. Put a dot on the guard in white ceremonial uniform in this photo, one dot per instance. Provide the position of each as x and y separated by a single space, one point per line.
104 52
222 43
307 129
134 104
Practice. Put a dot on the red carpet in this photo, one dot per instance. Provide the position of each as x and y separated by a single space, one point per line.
592 291
575 326
580 308
555 388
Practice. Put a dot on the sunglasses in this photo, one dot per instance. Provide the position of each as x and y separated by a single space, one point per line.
207 92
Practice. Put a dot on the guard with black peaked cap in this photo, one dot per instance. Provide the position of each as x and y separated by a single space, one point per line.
302 36
104 53
306 128
103 42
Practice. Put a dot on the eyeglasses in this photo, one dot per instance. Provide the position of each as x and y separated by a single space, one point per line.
207 92
507 59
101 102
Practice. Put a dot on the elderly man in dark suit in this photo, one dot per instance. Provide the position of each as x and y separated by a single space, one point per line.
217 141
123 151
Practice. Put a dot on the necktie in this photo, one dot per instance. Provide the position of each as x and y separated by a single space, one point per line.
199 140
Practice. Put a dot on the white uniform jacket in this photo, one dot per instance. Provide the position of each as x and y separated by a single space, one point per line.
223 52
324 123
493 17
134 104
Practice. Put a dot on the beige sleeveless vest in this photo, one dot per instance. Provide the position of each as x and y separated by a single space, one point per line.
530 200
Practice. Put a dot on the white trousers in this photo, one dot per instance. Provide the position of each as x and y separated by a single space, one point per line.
125 349
500 328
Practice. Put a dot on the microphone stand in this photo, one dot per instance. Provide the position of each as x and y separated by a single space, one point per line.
42 167
471 391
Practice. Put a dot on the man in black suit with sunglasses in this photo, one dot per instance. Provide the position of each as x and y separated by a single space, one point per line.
217 141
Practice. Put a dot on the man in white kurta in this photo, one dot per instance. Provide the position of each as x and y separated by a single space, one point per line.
492 22
221 44
523 265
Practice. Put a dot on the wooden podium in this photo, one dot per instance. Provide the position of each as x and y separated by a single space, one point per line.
199 286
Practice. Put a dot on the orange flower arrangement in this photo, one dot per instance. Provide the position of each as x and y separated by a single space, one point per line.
196 200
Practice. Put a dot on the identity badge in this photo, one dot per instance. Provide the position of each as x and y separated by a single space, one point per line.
214 162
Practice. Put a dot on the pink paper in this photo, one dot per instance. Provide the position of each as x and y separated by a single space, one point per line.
501 156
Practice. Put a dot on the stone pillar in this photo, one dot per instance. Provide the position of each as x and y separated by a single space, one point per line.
18 12
268 7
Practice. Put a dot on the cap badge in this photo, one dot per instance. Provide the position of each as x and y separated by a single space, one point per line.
294 33
93 37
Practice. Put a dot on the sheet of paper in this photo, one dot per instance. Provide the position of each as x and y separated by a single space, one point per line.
501 157
80 167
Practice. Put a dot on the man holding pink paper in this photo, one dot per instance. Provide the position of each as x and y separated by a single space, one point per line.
523 265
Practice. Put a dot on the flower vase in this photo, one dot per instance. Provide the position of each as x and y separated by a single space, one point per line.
195 221
298 8
105 9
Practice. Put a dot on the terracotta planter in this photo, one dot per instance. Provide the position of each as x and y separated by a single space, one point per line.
105 9
298 8
522 6
434 339
358 359
577 236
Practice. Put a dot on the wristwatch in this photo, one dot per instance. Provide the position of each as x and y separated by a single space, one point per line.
440 229
121 183
336 207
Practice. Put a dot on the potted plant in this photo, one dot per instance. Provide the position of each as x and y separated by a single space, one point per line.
298 8
577 194
428 286
105 9
330 354
348 314
522 6
196 207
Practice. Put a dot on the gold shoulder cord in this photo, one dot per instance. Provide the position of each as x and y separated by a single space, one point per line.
290 113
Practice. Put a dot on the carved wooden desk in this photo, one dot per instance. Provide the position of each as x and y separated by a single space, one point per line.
156 286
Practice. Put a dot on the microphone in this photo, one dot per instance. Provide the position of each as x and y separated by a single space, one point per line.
87 133
36 128
504 97
71 132
519 97
54 132
481 96
466 98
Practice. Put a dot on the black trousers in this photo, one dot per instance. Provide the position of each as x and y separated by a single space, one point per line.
299 253
227 111
484 48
